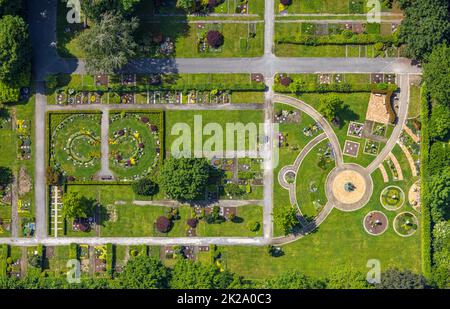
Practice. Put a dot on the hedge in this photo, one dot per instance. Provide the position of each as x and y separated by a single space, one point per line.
8 94
424 174
73 251
109 258
4 249
335 39
337 87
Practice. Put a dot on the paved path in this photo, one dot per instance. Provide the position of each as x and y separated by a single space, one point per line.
105 171
383 173
411 133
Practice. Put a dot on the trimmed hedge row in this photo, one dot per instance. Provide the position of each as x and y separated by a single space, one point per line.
336 87
424 174
109 258
73 251
3 257
335 39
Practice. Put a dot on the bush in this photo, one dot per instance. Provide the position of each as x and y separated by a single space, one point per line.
285 81
192 222
286 2
35 261
234 190
109 258
214 38
73 251
51 82
145 186
163 224
253 226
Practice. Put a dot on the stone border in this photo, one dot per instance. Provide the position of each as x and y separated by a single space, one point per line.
345 145
364 221
386 207
395 219
348 129
354 206
368 153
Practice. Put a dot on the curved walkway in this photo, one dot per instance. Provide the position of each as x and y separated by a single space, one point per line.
383 173
295 167
314 114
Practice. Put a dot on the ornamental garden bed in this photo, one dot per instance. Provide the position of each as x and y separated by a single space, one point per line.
74 144
392 198
405 224
136 141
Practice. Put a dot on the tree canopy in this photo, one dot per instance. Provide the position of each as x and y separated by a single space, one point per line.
10 7
15 51
145 186
94 9
110 44
330 106
293 280
285 217
76 206
437 75
401 279
184 178
6 176
347 278
143 272
424 26
440 195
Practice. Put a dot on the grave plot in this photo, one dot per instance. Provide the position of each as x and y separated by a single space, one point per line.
165 97
74 145
371 147
405 224
135 144
214 96
351 148
355 129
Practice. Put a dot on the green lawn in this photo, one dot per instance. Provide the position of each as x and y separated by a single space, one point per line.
245 214
56 264
221 117
414 101
311 180
339 242
295 137
247 97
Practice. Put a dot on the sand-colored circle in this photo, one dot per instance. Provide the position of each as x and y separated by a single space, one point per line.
348 197
414 196
349 200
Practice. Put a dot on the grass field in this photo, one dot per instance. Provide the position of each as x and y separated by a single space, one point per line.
328 6
339 242
220 117
414 101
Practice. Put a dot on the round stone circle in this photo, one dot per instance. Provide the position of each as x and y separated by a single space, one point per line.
375 223
405 224
392 198
347 176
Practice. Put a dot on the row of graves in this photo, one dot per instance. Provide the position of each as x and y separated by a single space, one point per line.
243 175
93 259
338 27
5 191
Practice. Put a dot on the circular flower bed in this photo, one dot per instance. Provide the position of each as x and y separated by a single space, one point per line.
375 223
405 224
392 198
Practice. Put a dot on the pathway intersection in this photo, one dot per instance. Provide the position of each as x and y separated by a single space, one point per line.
46 61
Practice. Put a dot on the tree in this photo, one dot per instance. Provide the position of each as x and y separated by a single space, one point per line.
424 26
76 206
347 278
15 51
188 274
6 176
35 260
286 218
10 7
187 5
143 272
214 38
145 186
234 190
53 176
401 279
293 280
437 75
440 195
184 178
440 121
330 106
94 9
163 224
109 45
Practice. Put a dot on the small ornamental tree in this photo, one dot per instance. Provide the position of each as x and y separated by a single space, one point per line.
145 186
76 206
330 106
285 81
6 176
286 218
192 222
214 38
163 224
286 2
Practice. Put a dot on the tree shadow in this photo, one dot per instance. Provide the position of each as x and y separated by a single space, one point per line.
345 115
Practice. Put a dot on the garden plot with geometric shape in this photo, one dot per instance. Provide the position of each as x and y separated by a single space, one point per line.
74 145
135 141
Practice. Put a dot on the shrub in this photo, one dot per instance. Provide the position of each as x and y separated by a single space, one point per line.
163 224
253 226
35 261
73 251
347 34
51 82
234 190
379 46
145 186
285 81
192 222
214 38
286 2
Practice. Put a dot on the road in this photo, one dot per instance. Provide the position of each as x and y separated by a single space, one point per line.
46 61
